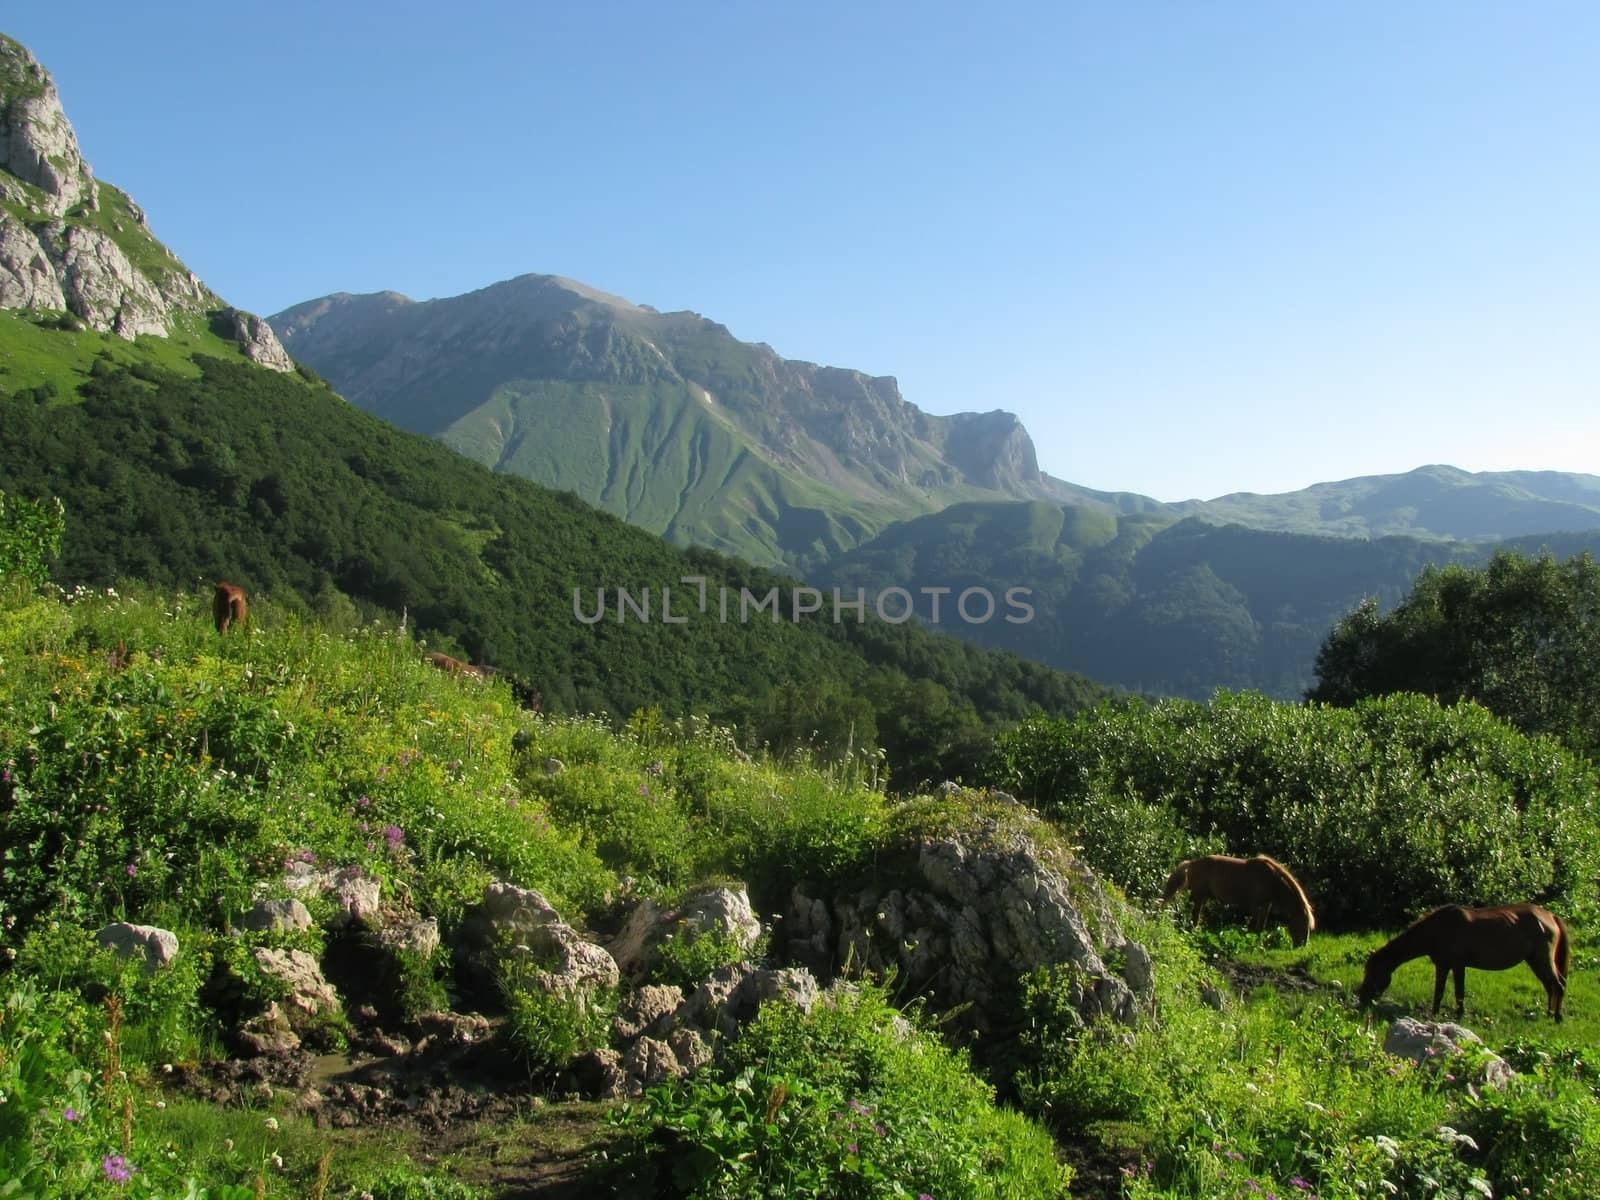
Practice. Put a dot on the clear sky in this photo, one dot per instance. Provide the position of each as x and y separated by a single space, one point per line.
1199 248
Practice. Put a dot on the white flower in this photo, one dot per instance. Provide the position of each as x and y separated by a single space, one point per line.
1481 1185
277 1161
272 1123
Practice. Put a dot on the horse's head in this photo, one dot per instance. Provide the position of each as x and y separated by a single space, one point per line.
1175 881
1373 981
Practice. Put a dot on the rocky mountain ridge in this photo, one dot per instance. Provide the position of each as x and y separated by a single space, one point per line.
72 245
665 418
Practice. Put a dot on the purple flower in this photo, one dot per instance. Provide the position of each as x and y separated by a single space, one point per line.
852 1148
132 870
363 827
365 800
1296 1181
116 1168
394 836
69 1114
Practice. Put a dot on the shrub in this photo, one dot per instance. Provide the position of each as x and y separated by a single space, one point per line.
846 1100
1382 810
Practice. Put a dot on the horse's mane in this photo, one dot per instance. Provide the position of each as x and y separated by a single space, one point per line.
1291 885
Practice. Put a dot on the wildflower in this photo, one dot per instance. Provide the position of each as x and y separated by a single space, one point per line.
363 801
116 1168
272 1124
1296 1181
852 1148
394 836
69 1114
1481 1185
277 1161
227 1145
132 870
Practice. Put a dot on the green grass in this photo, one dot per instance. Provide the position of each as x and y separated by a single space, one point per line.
33 353
1503 1007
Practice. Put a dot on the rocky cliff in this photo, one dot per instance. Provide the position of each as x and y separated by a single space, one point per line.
73 245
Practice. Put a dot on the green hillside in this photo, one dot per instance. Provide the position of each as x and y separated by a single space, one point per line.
1438 502
1149 602
276 484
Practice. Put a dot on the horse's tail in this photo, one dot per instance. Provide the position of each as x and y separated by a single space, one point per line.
1302 919
1563 952
1177 880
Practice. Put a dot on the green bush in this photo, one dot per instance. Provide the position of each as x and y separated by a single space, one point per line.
1382 810
847 1100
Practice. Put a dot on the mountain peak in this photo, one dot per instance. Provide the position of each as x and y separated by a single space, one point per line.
73 245
38 145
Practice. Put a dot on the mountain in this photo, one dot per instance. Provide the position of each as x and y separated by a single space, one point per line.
1430 502
1149 601
666 419
183 457
77 253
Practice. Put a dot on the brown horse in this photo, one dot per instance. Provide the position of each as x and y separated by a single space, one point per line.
452 666
1489 939
227 606
1262 885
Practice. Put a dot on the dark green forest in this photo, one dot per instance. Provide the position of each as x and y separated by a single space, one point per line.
276 484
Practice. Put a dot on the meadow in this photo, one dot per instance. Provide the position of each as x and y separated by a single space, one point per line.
155 772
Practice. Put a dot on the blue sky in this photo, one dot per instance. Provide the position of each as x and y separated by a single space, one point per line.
1198 248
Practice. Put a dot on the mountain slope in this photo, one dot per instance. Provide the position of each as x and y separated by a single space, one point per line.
77 255
1430 502
665 419
1150 602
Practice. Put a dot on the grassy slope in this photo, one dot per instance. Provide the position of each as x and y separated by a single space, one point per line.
205 763
660 459
34 354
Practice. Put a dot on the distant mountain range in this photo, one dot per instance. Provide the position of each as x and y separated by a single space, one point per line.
666 419
1152 602
670 422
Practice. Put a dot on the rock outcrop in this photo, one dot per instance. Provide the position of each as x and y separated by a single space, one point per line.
969 913
69 244
520 923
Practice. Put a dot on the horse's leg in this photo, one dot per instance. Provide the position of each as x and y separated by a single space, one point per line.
1461 990
1554 989
1439 972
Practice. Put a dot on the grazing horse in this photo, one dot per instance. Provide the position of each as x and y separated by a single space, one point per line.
228 608
1262 885
452 666
1490 939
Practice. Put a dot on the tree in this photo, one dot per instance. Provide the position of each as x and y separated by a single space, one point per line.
1519 635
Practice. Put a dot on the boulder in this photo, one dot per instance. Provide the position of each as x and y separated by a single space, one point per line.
158 947
723 910
1443 1042
970 913
355 894
277 916
521 923
309 994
